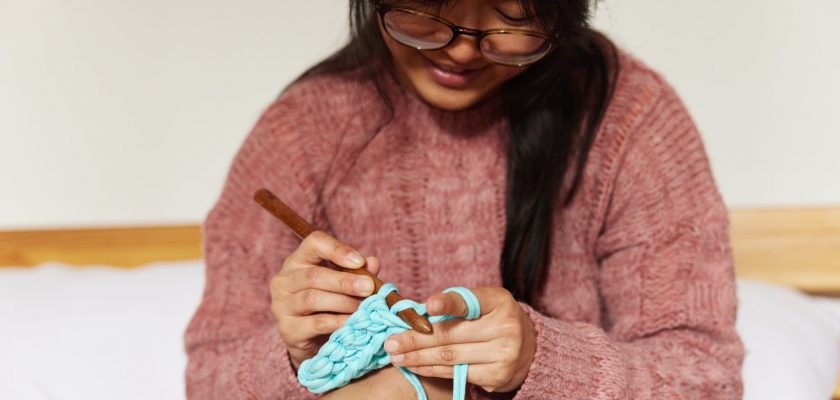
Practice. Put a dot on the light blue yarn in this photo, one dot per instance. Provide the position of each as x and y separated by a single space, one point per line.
357 348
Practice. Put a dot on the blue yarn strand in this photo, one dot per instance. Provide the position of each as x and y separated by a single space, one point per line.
357 347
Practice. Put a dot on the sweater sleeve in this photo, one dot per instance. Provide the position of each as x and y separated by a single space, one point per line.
233 344
666 280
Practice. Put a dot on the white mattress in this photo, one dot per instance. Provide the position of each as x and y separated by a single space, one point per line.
104 333
96 333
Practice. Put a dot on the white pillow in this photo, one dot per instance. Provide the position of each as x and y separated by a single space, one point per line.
792 342
95 332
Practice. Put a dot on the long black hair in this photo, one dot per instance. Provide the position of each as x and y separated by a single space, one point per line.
553 109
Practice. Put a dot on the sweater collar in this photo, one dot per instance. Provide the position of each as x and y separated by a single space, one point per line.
469 122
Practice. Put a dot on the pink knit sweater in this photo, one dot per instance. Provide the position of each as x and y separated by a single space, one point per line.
639 301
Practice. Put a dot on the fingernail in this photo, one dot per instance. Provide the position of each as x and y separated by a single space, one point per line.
363 285
355 259
397 358
391 346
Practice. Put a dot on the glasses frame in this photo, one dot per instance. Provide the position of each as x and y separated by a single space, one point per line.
458 30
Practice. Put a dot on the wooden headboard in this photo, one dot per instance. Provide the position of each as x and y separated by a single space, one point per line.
794 247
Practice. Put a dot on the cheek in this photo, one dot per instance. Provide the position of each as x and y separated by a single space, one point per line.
407 61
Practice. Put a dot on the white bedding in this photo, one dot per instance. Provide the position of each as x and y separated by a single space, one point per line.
103 333
96 333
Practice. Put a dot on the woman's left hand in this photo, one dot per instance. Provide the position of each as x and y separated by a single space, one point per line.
499 346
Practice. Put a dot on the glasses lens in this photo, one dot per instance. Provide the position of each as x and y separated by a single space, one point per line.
514 48
417 31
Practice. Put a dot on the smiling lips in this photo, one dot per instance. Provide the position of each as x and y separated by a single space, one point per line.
450 76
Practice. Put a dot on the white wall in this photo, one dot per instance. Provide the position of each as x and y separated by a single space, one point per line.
125 112
129 112
762 81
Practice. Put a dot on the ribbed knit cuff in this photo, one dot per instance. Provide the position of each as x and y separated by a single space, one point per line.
572 361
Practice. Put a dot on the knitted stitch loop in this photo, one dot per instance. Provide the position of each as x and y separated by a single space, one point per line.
357 347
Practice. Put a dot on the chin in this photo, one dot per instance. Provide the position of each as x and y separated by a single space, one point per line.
448 105
449 100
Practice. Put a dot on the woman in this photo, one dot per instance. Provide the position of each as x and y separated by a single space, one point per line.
499 145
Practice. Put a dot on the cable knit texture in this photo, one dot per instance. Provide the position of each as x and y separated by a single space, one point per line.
639 300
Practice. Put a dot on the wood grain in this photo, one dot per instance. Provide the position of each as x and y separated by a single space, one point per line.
794 247
120 247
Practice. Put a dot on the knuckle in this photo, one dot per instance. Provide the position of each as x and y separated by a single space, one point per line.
316 243
307 346
461 306
510 327
277 309
507 296
275 284
313 276
409 342
322 324
290 260
497 378
447 354
285 332
317 236
509 350
286 263
346 283
309 300
452 306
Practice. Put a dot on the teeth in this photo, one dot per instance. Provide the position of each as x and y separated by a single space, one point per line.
449 69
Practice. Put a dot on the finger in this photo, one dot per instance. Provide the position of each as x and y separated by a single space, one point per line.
485 376
319 246
444 333
451 303
322 324
297 330
435 371
309 301
465 353
372 264
329 280
446 304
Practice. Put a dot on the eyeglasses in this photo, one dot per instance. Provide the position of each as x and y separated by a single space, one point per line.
421 31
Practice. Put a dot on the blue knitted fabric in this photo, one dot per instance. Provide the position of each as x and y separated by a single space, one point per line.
357 348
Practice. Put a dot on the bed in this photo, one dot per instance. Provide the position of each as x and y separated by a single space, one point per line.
99 313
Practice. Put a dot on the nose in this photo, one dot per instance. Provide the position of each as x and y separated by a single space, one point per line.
464 50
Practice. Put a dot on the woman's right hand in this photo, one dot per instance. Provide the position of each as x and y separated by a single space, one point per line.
311 301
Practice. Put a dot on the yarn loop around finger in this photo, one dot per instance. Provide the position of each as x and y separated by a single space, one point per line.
357 348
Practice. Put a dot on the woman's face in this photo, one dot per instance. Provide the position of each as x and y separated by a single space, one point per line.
457 77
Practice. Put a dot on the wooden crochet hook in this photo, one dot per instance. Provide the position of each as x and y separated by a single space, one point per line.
284 213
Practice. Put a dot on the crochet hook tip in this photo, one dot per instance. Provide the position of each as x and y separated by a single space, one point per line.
424 327
416 321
